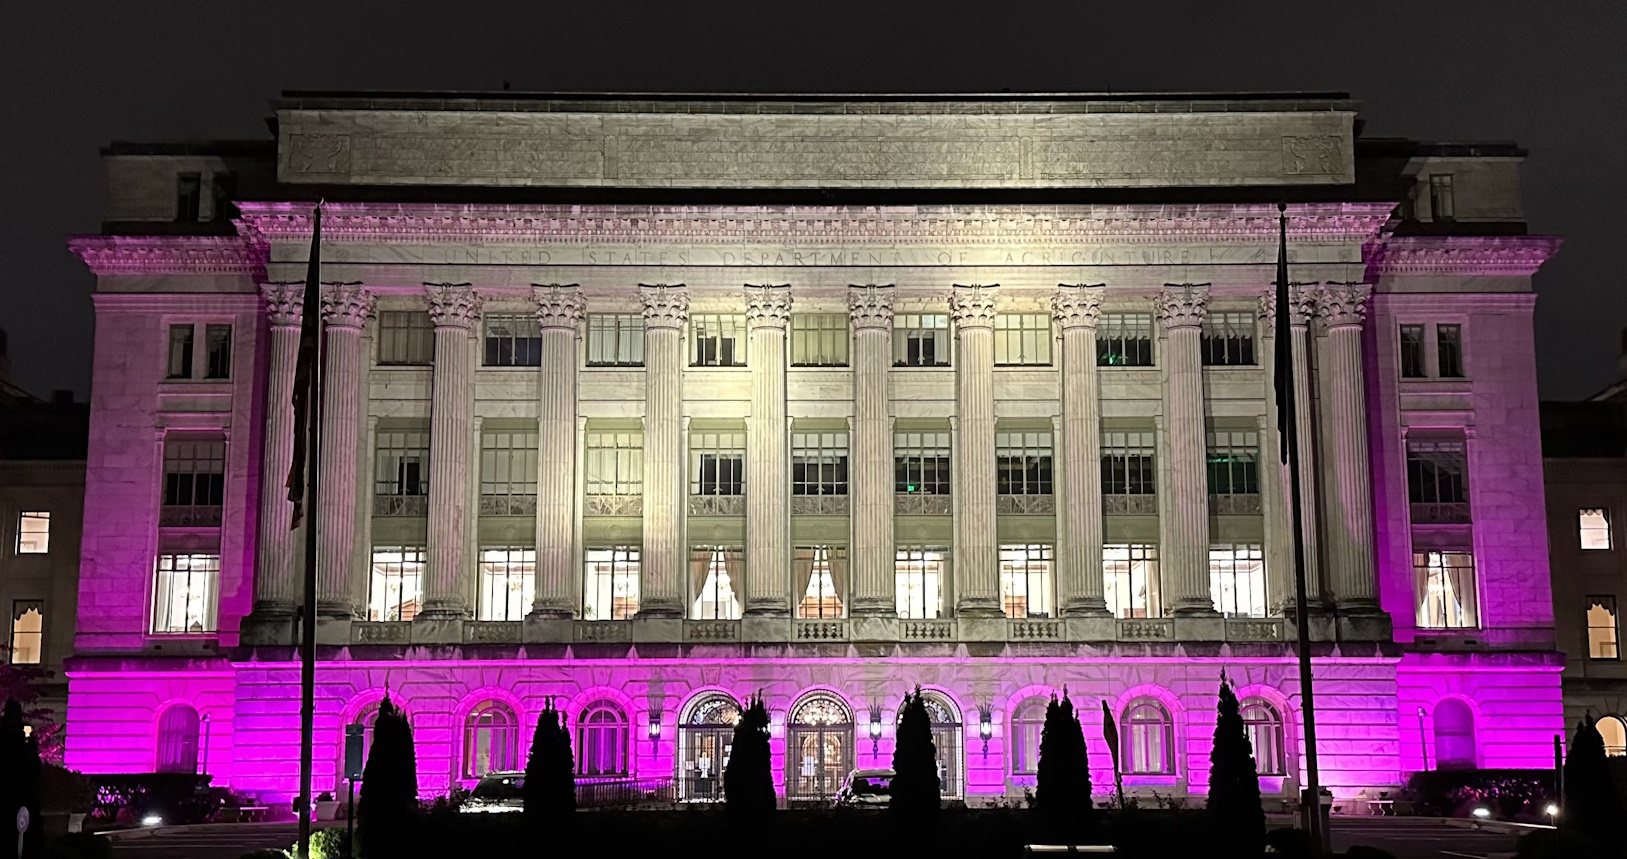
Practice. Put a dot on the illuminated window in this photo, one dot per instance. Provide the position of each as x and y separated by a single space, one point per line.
1237 579
947 741
1130 579
1148 739
188 196
1124 340
1027 728
178 740
27 632
820 580
819 747
1228 339
217 343
401 473
180 352
615 340
610 583
705 738
1441 205
1412 352
395 588
1264 728
508 473
507 583
1022 339
194 482
717 462
615 463
717 340
1436 485
1025 580
367 719
1233 463
1594 524
921 463
33 532
819 339
513 340
490 740
406 337
819 463
1449 351
601 740
1601 628
716 575
1454 735
1614 731
921 340
185 594
1022 463
1446 591
920 574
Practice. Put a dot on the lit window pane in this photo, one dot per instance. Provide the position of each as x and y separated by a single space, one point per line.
507 583
610 584
1130 579
717 574
185 594
1595 528
1446 592
920 574
1025 580
821 580
33 533
1237 579
395 587
27 631
1601 628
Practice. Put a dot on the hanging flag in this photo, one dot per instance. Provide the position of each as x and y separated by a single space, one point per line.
1110 732
1284 364
310 328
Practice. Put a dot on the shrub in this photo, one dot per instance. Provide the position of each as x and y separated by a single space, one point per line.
267 853
388 806
330 843
1592 808
550 779
1234 785
748 782
1448 793
915 787
1062 779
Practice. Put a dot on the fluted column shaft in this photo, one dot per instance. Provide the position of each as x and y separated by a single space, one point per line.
455 310
1279 547
1343 308
1181 310
978 555
768 551
666 310
875 591
276 585
346 310
559 315
1303 301
1079 520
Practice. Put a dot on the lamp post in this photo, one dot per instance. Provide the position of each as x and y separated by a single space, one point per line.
1423 742
985 725
206 744
875 730
655 726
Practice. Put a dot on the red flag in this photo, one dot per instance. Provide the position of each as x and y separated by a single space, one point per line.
305 370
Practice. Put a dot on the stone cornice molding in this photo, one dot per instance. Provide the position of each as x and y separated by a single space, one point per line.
284 303
768 305
665 305
559 305
973 304
1505 256
1078 305
453 305
1302 298
347 305
870 306
1343 305
1182 305
136 255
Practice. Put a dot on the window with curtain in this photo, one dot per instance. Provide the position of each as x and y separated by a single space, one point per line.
920 573
27 631
1263 725
610 583
1022 339
921 463
615 463
716 575
1447 596
1237 579
1601 628
819 339
1455 744
406 337
401 473
194 482
508 473
490 740
602 740
717 340
513 340
717 462
1148 739
1593 525
1027 728
921 340
615 340
508 580
1130 579
186 594
1124 340
395 584
1025 579
818 463
1022 462
178 740
821 581
1228 339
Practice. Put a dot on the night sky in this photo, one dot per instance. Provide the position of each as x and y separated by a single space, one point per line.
77 75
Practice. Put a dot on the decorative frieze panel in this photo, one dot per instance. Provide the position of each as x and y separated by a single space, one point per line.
508 505
400 505
147 255
491 632
819 505
1025 504
613 505
1441 514
1130 505
381 632
918 504
189 517
1251 629
602 631
717 505
1234 505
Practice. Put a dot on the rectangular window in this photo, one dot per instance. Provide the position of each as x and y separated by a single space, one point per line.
717 573
395 588
819 463
1441 206
401 473
217 344
185 594
821 581
406 337
921 573
1130 579
615 340
1601 628
1022 462
610 583
194 482
1594 525
819 339
1237 579
180 352
1447 597
1127 464
508 577
615 463
717 463
27 632
921 340
1233 462
1228 339
1025 579
1449 351
508 473
513 340
33 532
188 196
1124 340
1412 352
1022 339
1435 481
223 190
717 340
921 463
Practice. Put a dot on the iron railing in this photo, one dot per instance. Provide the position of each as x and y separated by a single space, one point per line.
617 792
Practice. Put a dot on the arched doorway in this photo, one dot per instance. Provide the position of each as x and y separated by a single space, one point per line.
1454 735
947 741
705 736
818 748
178 740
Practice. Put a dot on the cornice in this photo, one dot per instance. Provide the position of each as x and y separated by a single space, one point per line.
134 255
1506 256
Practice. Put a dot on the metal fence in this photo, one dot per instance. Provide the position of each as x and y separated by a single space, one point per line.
625 792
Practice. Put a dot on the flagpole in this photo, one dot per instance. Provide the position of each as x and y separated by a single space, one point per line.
307 673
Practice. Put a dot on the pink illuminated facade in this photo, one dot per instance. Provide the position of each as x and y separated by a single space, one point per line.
645 404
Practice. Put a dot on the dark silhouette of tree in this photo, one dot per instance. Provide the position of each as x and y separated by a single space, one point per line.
915 787
387 809
550 774
748 783
1592 808
1062 779
19 776
1234 784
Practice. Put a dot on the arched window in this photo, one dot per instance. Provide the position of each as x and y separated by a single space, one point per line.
1454 735
178 740
1149 739
367 718
1027 724
601 740
947 742
705 736
490 737
1614 731
1263 725
819 748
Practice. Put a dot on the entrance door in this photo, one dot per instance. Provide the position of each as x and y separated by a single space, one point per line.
821 745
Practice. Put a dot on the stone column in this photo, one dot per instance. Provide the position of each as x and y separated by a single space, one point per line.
1079 520
276 585
977 559
661 590
346 309
1279 547
455 310
874 590
1181 310
768 551
1343 308
1302 300
559 313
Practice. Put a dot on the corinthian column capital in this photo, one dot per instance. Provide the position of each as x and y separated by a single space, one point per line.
1266 310
665 305
346 305
559 305
1078 305
1182 305
973 304
1302 303
870 306
1343 305
768 305
453 305
284 303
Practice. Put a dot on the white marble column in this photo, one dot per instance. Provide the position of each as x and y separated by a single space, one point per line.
977 557
1079 510
1343 309
276 583
346 309
455 310
1301 310
874 588
768 549
1181 311
559 314
661 576
1279 546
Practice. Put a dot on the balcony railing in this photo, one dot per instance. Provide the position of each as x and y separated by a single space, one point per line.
189 516
717 505
614 792
819 505
1025 504
400 505
920 504
613 505
1130 505
1440 513
1234 505
820 630
508 505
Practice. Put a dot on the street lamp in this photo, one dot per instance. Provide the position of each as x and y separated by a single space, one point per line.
985 725
1423 742
655 723
875 729
1553 814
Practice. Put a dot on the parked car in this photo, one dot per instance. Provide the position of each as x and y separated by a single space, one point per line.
496 793
866 789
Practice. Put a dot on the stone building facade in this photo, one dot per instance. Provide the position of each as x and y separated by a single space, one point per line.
643 405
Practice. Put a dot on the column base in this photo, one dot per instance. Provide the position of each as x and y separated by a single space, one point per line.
339 609
1315 608
660 610
979 607
769 607
1193 607
268 629
1086 607
444 609
552 608
1365 623
874 609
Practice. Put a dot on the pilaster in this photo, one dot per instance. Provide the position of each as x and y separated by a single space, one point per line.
1080 588
345 309
455 310
977 558
1301 310
560 309
1181 309
1276 516
768 551
666 311
1343 309
870 308
276 583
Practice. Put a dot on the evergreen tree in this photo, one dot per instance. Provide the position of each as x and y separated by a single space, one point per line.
1234 785
550 774
388 806
1592 808
11 760
915 787
748 783
1062 779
